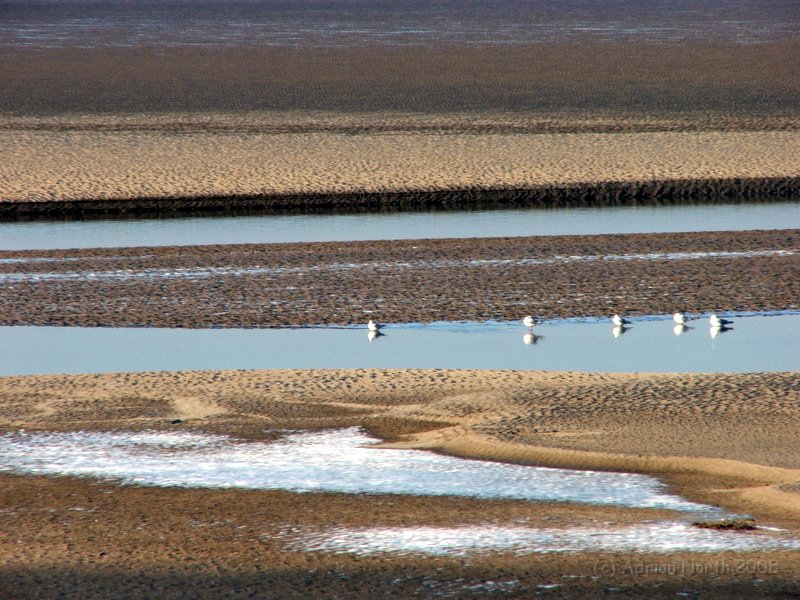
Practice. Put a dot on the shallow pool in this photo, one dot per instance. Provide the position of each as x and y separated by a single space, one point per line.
329 461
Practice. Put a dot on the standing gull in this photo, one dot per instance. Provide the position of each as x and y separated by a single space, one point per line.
619 321
528 321
373 326
715 321
680 318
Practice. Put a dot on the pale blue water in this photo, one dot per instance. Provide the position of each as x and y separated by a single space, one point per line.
755 344
42 235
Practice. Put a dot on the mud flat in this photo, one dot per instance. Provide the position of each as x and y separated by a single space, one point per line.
729 440
334 283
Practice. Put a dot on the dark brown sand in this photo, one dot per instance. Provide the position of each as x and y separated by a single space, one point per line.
275 285
705 80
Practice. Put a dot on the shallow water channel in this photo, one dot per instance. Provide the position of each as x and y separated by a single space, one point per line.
754 343
42 235
342 461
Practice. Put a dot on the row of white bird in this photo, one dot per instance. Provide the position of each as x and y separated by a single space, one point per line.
679 317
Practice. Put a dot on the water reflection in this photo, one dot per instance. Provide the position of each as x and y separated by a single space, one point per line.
531 339
715 331
664 537
619 330
680 329
341 461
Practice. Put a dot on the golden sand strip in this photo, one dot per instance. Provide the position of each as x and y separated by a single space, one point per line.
70 165
730 439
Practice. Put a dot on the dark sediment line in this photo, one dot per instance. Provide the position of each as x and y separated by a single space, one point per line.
610 193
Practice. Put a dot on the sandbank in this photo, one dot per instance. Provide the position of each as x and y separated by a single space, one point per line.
730 440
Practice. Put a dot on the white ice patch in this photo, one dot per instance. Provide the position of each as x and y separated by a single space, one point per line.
663 537
328 461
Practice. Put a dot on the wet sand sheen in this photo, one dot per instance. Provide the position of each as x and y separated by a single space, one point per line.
673 424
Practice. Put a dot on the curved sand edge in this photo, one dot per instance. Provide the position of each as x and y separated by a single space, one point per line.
588 194
766 500
730 439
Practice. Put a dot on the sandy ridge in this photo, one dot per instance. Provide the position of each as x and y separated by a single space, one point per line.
77 165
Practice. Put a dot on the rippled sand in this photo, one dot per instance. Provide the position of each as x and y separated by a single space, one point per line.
46 165
724 439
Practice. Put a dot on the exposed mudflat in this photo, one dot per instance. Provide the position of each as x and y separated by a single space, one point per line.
278 285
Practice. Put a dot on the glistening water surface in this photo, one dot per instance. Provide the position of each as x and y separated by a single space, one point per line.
42 235
328 461
662 537
753 344
85 23
342 461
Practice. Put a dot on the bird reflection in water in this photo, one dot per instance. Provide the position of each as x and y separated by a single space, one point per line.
531 339
619 330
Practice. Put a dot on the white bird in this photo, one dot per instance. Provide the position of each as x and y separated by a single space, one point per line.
373 326
717 322
680 318
528 321
619 321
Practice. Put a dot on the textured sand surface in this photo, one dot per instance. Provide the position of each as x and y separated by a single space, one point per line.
711 424
725 439
44 165
270 285
88 123
99 123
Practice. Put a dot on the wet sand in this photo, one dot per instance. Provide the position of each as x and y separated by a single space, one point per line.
187 129
632 79
333 283
724 439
